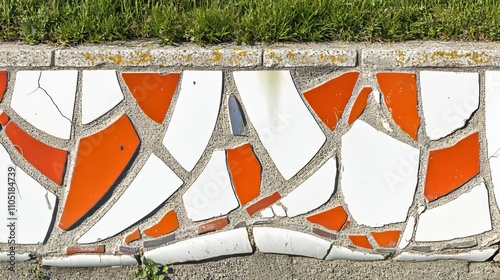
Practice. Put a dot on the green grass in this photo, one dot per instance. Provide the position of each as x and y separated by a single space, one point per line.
247 21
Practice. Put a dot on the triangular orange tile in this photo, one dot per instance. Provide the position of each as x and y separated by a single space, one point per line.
4 119
332 219
50 161
245 171
329 99
153 92
400 96
451 167
167 224
387 238
360 241
3 83
359 104
136 235
100 160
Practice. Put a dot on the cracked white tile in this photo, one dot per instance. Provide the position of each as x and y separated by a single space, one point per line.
27 202
379 175
89 261
342 253
101 92
448 100
467 215
472 256
46 99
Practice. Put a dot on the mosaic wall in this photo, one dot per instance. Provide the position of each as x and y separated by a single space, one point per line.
100 166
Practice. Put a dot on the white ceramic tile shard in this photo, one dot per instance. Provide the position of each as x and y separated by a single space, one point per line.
279 211
407 233
8 256
101 92
46 99
377 96
313 192
342 253
194 117
472 256
467 215
154 184
34 205
289 242
448 100
211 195
267 213
492 112
492 108
232 242
89 261
379 175
284 125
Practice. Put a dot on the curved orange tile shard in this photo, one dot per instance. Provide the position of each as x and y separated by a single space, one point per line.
329 99
3 83
360 241
167 224
50 161
359 104
332 219
100 160
400 97
152 91
450 168
387 238
4 119
245 172
136 235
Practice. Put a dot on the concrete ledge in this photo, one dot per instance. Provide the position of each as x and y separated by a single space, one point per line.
163 57
431 54
313 56
15 55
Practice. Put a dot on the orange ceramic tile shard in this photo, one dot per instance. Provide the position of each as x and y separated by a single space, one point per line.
400 97
153 92
450 168
101 159
329 99
245 171
332 219
167 224
50 161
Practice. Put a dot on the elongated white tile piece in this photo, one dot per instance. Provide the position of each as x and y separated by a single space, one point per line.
313 192
407 233
9 256
212 194
492 102
101 92
492 108
448 100
232 242
472 256
31 206
194 116
342 253
284 125
467 215
289 242
379 175
46 99
154 184
89 261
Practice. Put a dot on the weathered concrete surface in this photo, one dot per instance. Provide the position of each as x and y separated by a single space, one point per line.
262 266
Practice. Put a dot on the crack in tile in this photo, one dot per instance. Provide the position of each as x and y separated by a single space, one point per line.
48 95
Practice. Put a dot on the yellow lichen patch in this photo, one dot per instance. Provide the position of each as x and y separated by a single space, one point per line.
135 58
273 56
216 56
338 58
291 55
238 57
472 58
